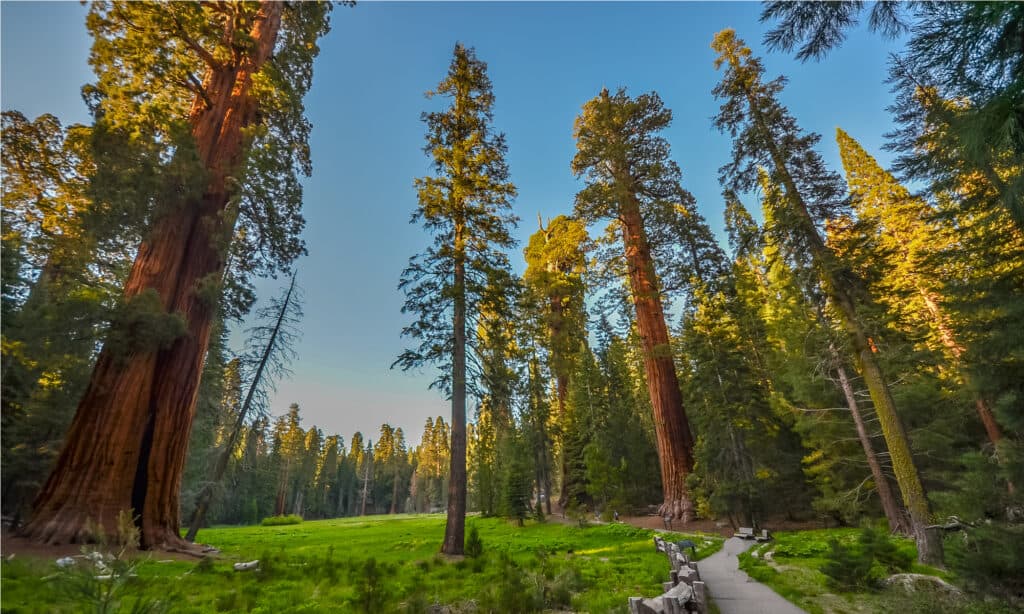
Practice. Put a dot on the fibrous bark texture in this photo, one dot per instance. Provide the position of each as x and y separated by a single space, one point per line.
672 429
127 444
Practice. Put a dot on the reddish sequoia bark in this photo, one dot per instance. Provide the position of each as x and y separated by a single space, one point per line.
672 429
127 443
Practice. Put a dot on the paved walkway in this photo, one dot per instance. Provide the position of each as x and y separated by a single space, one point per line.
734 591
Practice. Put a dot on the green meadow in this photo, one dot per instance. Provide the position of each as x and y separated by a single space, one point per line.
378 564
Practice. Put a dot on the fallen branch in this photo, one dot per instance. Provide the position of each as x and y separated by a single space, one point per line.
952 524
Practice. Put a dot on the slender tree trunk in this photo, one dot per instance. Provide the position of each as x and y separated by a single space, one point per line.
454 531
366 487
672 429
282 490
206 494
547 479
929 542
127 444
394 491
893 513
835 289
562 392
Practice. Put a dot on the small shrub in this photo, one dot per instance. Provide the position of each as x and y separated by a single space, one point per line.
847 568
474 546
226 601
511 592
252 515
205 565
328 568
369 586
756 568
104 578
559 590
276 521
990 559
268 565
885 552
865 564
801 548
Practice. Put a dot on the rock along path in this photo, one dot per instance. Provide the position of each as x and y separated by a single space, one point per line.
734 591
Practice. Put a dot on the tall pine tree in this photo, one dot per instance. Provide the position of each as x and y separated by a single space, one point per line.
765 134
466 205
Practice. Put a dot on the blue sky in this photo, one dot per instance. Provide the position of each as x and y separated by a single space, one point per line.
545 60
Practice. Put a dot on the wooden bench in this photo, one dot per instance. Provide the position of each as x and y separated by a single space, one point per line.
748 533
745 533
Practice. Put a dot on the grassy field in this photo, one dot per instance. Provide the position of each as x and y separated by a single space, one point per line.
379 564
794 570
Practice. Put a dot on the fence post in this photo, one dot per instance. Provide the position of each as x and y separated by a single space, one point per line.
700 595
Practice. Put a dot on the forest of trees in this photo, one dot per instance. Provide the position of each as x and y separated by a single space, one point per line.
854 351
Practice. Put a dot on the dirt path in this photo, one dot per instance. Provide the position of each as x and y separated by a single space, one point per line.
734 591
12 545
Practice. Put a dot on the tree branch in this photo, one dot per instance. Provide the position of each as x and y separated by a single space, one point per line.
191 43
197 87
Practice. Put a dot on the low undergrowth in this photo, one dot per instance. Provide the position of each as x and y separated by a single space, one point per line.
378 564
277 521
842 571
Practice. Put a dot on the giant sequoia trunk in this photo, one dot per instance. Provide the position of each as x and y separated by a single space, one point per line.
558 308
126 446
675 441
454 530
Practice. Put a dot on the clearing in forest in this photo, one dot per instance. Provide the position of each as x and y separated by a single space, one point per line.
325 566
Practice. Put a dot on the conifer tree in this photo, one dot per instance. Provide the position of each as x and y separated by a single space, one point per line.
906 238
797 327
217 90
534 428
327 473
58 295
555 262
765 135
482 459
353 463
619 422
963 51
466 205
632 182
515 477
